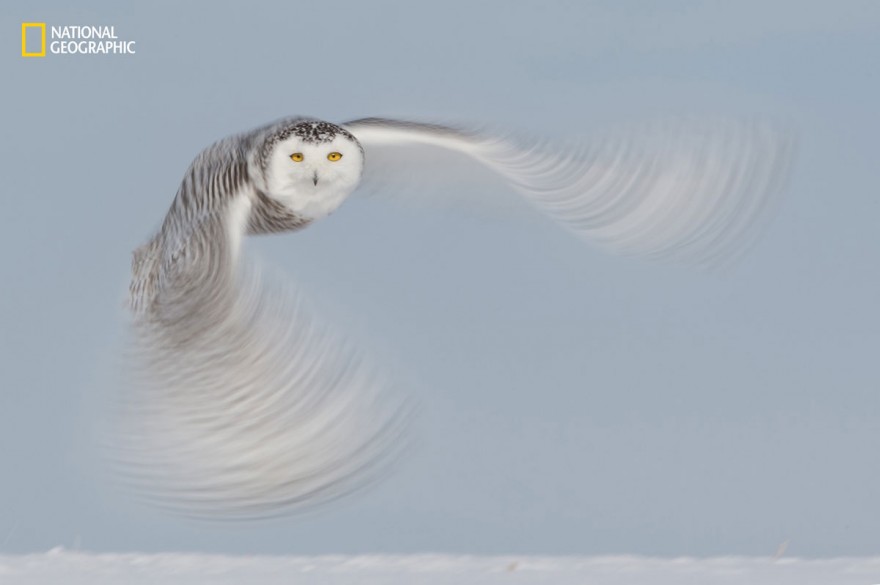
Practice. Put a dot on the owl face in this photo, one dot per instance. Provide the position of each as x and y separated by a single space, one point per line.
312 167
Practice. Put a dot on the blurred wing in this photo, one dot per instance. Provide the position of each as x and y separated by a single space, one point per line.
242 404
694 190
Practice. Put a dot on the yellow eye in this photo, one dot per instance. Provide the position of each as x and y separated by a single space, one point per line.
334 156
296 157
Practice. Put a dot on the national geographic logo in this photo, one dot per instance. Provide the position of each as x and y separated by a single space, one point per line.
35 28
72 40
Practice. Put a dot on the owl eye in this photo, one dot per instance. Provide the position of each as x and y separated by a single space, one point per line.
296 157
334 156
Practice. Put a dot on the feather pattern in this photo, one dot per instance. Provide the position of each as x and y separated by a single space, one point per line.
240 402
687 189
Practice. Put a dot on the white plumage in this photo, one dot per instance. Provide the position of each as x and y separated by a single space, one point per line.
242 404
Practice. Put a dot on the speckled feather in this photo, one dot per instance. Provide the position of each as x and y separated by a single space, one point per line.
243 405
240 404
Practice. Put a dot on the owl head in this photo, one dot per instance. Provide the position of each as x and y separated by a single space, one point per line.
310 166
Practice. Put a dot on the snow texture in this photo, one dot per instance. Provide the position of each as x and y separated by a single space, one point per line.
73 567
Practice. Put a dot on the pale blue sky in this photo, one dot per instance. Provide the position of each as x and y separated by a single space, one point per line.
574 402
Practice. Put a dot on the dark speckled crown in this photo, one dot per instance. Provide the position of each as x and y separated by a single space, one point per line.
310 131
314 131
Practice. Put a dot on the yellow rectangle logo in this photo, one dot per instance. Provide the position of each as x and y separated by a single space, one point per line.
24 27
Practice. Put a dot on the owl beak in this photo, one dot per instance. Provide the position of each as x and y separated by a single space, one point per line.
315 178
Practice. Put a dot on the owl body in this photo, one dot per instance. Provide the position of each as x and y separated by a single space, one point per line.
242 404
248 184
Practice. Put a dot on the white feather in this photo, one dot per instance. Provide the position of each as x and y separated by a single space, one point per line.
689 189
242 404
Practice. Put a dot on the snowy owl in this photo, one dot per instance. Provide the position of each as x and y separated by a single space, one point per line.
243 405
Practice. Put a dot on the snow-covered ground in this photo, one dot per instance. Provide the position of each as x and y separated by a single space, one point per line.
64 566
